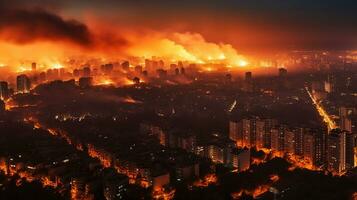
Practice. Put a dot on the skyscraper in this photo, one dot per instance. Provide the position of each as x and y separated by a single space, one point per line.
2 106
299 141
233 130
248 82
246 132
4 90
319 157
336 151
33 66
351 148
23 84
277 138
283 72
259 133
289 142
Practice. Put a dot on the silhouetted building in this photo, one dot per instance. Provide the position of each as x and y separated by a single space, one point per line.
76 73
85 82
283 72
183 71
138 69
86 72
23 84
33 66
125 65
4 90
351 150
269 124
2 106
248 82
107 69
248 76
136 80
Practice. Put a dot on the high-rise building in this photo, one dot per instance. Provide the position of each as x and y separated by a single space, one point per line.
138 69
289 142
336 151
351 150
248 76
319 157
86 72
4 90
259 133
234 130
246 132
241 159
33 66
346 123
23 84
125 65
269 124
248 82
2 106
347 111
148 65
329 85
277 138
299 141
240 132
107 68
85 82
309 146
283 72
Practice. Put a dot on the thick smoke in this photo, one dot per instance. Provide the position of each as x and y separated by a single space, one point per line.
26 26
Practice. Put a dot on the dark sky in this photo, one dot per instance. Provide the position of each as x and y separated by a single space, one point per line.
251 25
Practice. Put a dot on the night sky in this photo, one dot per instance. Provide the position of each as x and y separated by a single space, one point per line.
249 25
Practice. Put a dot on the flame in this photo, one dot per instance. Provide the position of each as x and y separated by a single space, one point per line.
186 47
162 194
103 81
129 99
257 191
206 181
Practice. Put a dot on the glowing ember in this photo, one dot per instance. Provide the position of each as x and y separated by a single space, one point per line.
208 179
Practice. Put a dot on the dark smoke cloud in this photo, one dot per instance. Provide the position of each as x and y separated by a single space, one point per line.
26 26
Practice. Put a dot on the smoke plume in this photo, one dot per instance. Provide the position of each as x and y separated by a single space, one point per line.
27 26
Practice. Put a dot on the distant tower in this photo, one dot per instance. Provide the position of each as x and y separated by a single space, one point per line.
23 84
138 69
2 106
351 148
283 72
125 65
85 82
33 66
248 82
86 72
4 90
248 76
